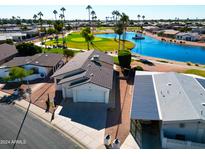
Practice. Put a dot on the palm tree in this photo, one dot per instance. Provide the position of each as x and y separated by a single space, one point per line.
40 14
35 17
61 16
93 16
63 10
124 19
119 30
55 13
143 17
89 37
138 16
89 8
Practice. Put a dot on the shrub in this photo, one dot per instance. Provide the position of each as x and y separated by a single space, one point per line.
196 64
28 49
188 63
138 68
124 57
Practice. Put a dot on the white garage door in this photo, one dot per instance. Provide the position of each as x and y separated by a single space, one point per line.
89 95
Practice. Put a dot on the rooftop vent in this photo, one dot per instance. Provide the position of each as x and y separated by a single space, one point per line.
169 84
95 58
203 104
91 74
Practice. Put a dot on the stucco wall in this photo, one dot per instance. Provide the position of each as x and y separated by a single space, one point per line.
193 131
72 92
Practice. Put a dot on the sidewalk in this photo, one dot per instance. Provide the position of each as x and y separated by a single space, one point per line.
129 143
86 136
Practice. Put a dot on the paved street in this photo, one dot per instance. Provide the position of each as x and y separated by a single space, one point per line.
35 133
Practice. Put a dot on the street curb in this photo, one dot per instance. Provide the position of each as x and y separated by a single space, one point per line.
55 127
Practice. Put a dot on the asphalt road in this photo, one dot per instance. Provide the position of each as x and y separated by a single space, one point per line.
35 134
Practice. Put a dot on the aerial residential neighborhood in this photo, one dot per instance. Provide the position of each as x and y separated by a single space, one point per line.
111 79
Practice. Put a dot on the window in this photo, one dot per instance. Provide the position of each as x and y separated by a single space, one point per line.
181 125
180 137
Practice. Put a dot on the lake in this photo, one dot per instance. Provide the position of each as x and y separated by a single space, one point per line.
156 48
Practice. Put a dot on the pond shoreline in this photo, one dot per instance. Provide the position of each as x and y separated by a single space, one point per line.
187 43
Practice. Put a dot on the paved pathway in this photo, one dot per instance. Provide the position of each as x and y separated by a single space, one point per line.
118 121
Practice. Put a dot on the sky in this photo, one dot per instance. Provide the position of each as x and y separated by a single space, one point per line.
79 11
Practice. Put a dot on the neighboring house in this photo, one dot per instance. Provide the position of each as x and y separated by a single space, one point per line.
152 29
7 52
199 30
42 64
18 36
172 107
188 36
88 77
169 33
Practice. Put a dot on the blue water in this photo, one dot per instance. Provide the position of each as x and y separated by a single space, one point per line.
156 48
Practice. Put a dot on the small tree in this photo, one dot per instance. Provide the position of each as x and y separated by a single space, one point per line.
28 49
89 37
68 53
124 57
19 73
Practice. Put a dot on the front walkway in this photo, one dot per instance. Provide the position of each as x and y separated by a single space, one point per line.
118 119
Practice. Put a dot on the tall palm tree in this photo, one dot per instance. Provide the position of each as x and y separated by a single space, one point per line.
55 13
35 17
124 19
89 8
93 15
40 14
63 10
143 17
61 16
138 16
119 30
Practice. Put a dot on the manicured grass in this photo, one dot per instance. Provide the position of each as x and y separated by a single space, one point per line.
196 72
116 61
133 28
56 50
75 40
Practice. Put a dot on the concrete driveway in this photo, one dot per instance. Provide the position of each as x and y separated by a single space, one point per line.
90 114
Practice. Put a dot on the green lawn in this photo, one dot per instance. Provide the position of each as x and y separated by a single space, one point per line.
75 40
116 61
56 50
196 72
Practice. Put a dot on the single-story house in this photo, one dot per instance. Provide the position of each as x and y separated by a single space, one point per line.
169 33
152 29
200 30
42 64
188 36
15 36
87 77
172 106
7 52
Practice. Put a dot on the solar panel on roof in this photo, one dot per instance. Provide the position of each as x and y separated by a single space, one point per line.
201 81
144 105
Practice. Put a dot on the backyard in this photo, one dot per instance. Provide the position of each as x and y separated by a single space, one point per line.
75 40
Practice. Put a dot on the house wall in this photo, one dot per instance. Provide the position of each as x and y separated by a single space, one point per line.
73 91
193 131
42 70
4 72
59 87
